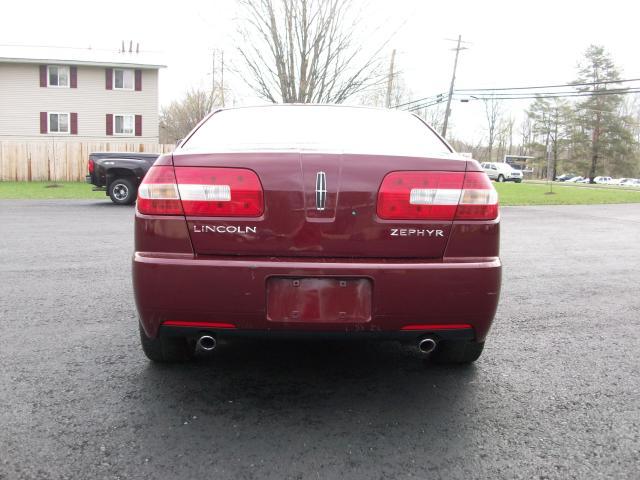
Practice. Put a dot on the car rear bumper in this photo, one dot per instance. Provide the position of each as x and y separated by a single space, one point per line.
404 336
180 295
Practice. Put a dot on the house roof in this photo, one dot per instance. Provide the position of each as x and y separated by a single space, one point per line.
76 56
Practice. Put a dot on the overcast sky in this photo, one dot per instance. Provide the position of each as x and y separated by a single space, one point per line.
512 43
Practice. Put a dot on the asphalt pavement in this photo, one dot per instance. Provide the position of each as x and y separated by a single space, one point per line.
556 393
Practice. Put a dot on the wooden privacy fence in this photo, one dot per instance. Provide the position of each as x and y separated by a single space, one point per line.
59 161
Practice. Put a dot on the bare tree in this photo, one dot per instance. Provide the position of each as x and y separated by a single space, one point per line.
180 117
434 116
476 150
511 122
493 112
305 51
501 141
380 94
526 130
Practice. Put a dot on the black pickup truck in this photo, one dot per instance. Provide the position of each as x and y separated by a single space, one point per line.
119 173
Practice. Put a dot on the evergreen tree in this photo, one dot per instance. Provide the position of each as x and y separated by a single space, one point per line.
550 119
600 131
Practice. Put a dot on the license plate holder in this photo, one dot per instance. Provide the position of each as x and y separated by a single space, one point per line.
318 300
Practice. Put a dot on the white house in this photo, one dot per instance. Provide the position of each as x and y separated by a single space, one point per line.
78 96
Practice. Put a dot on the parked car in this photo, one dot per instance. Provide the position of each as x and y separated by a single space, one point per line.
119 173
584 180
618 181
575 179
602 180
316 221
565 177
627 182
502 172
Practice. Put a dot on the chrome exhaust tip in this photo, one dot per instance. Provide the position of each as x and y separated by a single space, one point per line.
427 345
206 343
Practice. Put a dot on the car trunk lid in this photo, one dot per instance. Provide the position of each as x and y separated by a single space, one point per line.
318 204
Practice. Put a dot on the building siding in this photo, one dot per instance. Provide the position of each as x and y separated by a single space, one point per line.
22 99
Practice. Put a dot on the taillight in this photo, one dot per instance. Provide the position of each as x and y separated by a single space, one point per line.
479 200
419 195
220 192
437 196
201 191
91 165
158 193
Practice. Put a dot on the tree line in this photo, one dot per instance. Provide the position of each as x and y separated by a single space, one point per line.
594 132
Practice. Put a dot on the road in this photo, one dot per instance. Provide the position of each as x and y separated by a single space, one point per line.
556 393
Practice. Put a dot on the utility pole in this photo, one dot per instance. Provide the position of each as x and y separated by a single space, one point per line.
595 149
213 77
390 79
222 78
453 80
549 170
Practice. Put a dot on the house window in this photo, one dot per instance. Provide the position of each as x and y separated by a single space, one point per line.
123 124
59 123
123 79
58 76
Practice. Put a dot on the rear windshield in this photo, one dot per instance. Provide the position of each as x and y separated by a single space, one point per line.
319 128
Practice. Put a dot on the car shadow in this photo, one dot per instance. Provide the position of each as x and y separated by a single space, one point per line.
109 203
292 408
311 376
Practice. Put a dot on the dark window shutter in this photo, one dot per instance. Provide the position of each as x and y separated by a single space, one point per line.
73 73
43 122
74 123
109 78
138 80
43 75
138 125
109 123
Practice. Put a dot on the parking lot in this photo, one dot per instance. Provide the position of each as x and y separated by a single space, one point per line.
555 394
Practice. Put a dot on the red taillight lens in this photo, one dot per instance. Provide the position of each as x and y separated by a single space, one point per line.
420 195
220 192
201 191
91 165
479 200
437 196
158 193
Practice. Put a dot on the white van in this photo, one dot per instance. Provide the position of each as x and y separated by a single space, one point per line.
501 172
605 180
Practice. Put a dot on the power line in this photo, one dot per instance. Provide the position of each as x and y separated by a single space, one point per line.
584 84
425 105
470 90
461 41
435 101
559 93
419 100
432 103
566 95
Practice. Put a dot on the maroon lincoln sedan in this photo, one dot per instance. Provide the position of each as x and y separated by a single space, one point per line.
316 221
